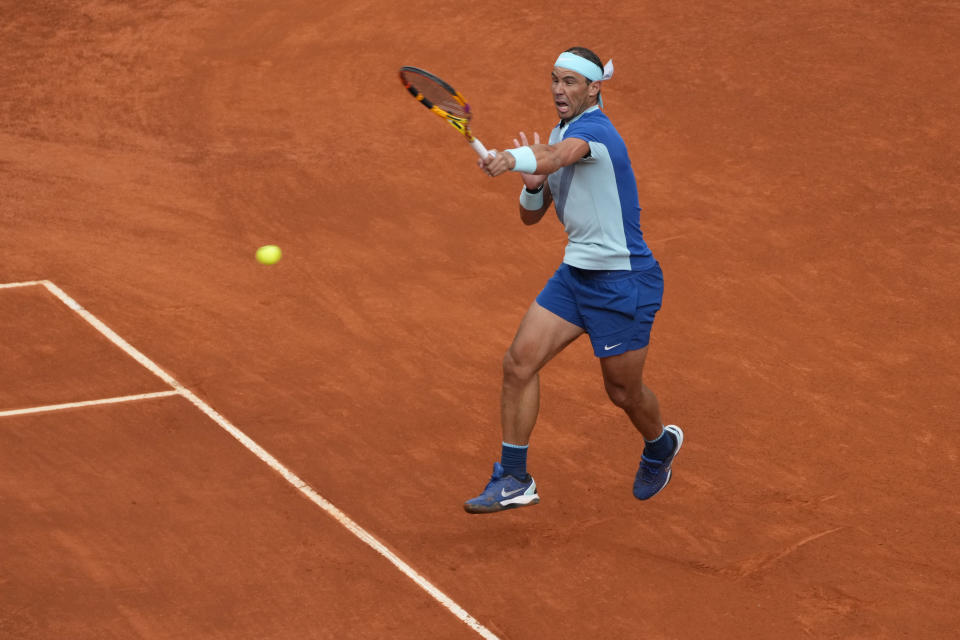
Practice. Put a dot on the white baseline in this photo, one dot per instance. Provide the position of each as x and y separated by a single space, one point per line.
88 403
256 449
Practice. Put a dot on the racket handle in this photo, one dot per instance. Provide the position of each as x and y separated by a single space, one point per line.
479 148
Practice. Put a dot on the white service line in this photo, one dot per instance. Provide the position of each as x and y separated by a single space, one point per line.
269 460
87 403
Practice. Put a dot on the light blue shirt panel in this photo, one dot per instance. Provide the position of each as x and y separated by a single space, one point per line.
590 203
589 208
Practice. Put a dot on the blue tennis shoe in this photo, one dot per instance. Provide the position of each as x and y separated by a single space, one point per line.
653 475
503 492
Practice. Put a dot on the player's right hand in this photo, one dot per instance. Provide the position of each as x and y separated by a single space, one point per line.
530 180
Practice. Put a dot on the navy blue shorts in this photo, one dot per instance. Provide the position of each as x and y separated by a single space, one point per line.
615 308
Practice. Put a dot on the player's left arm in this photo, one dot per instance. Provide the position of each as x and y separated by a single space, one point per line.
547 157
551 157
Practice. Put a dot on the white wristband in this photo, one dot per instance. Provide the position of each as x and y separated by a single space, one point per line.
531 201
526 162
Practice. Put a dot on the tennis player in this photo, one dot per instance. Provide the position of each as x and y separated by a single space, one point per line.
609 285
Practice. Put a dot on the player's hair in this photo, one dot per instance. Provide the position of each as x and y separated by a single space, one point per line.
583 52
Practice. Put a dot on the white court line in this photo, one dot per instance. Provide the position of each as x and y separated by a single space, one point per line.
87 403
268 459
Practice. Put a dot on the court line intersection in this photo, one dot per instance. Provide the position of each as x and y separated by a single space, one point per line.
178 389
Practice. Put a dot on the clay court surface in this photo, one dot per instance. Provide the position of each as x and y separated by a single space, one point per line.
798 171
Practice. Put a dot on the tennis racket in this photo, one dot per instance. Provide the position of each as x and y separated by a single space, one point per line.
443 100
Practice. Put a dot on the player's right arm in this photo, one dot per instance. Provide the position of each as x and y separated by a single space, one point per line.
533 217
533 182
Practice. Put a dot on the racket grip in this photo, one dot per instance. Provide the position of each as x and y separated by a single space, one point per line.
479 148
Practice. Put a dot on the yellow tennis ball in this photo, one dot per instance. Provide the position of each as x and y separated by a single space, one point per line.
269 254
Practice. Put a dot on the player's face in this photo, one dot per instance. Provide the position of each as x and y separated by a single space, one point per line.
572 93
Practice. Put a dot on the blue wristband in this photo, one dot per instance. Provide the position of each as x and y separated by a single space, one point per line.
526 162
532 201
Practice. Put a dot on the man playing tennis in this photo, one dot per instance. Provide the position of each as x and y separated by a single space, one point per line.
609 285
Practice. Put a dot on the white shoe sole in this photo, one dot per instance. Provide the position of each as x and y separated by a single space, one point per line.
678 433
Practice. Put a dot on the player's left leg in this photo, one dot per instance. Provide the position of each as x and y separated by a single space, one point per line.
623 379
619 315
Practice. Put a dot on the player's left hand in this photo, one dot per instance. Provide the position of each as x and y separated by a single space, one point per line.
497 163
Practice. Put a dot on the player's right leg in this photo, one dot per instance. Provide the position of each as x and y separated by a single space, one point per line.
541 336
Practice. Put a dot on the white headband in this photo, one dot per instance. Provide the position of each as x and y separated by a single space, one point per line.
584 67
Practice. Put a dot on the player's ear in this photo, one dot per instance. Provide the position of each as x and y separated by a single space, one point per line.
593 89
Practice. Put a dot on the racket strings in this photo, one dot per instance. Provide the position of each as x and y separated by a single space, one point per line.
436 94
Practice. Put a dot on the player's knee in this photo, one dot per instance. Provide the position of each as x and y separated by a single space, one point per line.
515 371
622 395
